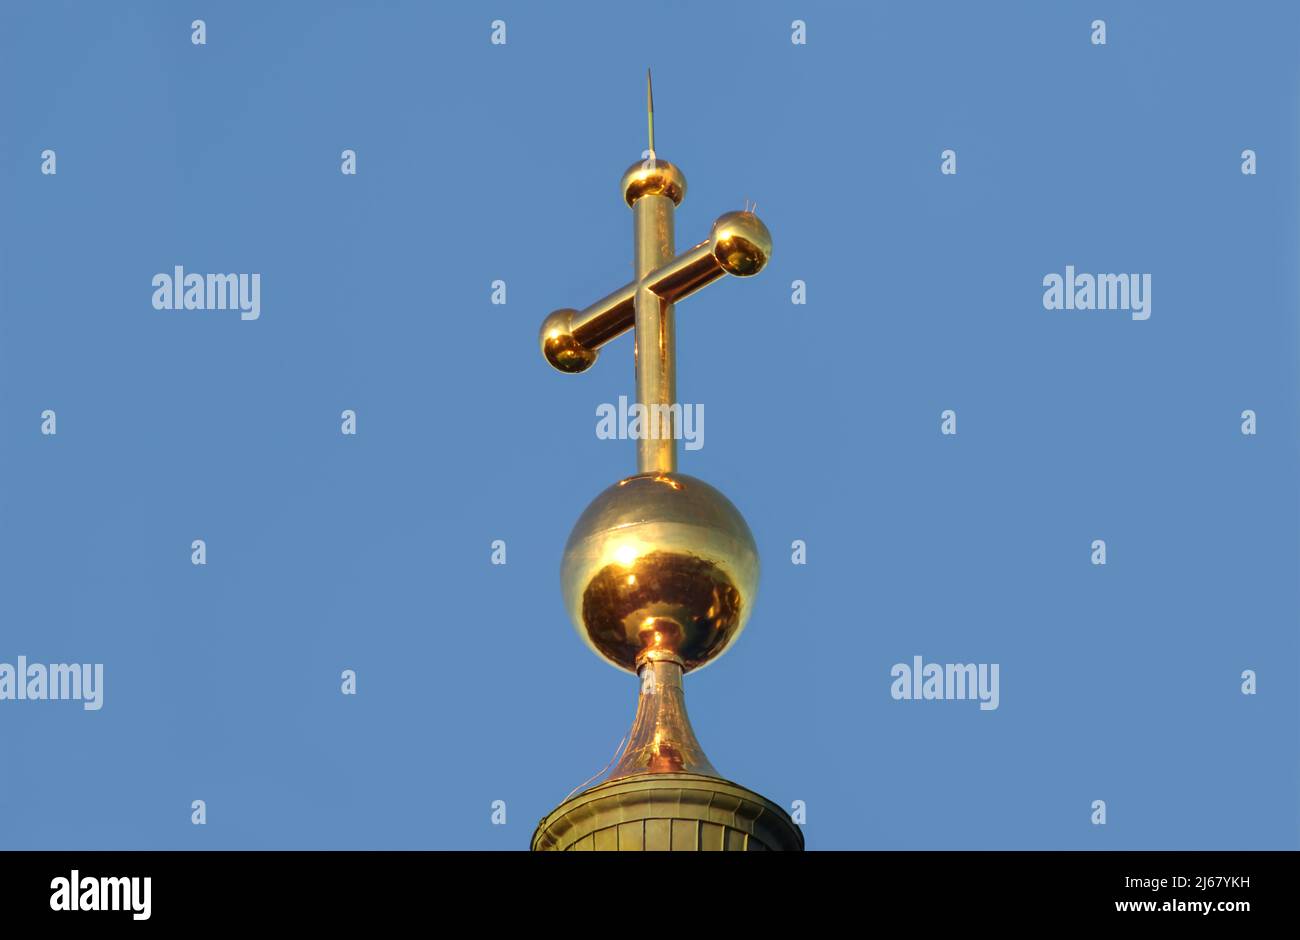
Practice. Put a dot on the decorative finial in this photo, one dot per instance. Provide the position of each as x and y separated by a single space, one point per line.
660 573
661 564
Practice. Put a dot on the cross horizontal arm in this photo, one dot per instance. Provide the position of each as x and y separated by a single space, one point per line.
739 244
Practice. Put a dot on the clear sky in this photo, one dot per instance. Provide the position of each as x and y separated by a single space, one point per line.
478 162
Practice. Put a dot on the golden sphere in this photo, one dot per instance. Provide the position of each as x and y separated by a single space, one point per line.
559 346
653 178
660 565
741 243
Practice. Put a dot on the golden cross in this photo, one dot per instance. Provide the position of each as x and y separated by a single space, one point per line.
738 244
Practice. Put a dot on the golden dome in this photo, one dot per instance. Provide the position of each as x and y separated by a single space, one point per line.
653 177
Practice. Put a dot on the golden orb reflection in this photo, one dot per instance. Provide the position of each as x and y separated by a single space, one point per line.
741 243
561 349
660 563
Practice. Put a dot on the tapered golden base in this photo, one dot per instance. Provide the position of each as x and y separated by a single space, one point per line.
668 812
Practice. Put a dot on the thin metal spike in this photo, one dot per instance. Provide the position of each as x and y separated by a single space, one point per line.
650 111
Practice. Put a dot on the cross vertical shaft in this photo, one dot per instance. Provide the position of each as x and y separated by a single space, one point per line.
655 342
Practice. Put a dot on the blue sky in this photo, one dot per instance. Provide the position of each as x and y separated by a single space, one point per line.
924 293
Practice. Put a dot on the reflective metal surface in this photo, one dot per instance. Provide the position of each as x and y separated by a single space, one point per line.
662 740
660 572
653 177
655 346
660 562
741 243
738 244
561 347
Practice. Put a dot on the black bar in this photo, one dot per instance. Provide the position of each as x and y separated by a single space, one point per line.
376 889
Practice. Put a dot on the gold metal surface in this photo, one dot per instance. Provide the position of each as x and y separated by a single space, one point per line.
655 346
662 740
660 562
739 244
561 347
653 177
671 812
660 572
